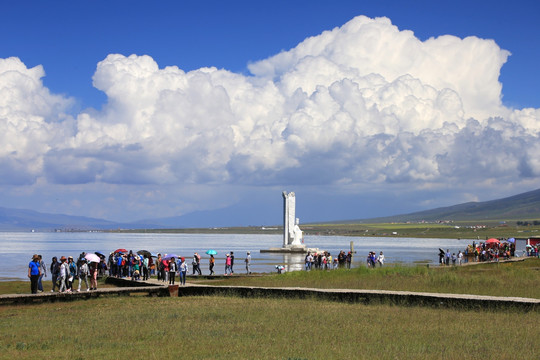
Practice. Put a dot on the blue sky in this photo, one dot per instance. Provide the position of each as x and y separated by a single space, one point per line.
93 148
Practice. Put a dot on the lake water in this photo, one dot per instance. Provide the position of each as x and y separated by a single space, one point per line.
16 249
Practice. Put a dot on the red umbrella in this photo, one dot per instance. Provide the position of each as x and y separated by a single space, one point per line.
120 250
492 241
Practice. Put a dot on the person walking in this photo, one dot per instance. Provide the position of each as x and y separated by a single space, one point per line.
248 263
64 271
196 263
212 262
34 272
55 272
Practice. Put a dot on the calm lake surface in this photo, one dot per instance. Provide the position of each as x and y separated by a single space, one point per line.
16 249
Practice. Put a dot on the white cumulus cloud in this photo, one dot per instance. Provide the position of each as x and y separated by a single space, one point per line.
365 103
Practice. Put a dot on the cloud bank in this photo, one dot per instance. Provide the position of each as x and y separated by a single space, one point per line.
361 105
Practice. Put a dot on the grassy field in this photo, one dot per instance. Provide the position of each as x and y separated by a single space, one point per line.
235 328
504 279
227 327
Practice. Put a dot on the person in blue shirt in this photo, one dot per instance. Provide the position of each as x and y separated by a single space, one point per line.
34 272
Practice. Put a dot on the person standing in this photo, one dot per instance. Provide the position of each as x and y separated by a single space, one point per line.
43 272
93 275
380 259
136 269
228 265
72 273
211 264
83 274
172 271
159 267
248 263
349 260
165 270
307 261
55 272
145 268
341 259
183 271
34 272
329 261
232 262
64 271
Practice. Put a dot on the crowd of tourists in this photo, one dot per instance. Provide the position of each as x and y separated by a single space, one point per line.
485 251
532 250
324 261
68 274
64 273
143 265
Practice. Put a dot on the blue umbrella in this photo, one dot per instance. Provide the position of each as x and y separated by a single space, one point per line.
211 252
512 240
169 256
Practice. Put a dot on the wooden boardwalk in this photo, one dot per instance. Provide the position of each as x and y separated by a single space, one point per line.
11 299
155 288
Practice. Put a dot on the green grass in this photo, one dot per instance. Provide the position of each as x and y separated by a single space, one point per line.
236 328
506 279
228 327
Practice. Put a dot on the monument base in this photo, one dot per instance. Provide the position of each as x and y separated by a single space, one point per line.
290 250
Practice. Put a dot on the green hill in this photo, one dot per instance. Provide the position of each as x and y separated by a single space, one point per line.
525 206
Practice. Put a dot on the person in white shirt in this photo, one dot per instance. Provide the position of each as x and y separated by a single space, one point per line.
380 259
248 263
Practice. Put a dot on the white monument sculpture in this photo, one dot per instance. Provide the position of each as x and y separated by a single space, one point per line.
292 235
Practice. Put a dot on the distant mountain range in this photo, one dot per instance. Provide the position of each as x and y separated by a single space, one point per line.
524 206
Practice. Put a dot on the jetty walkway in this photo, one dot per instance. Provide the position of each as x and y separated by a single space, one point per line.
153 287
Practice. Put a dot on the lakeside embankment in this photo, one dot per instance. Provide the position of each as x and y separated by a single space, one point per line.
481 230
510 279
